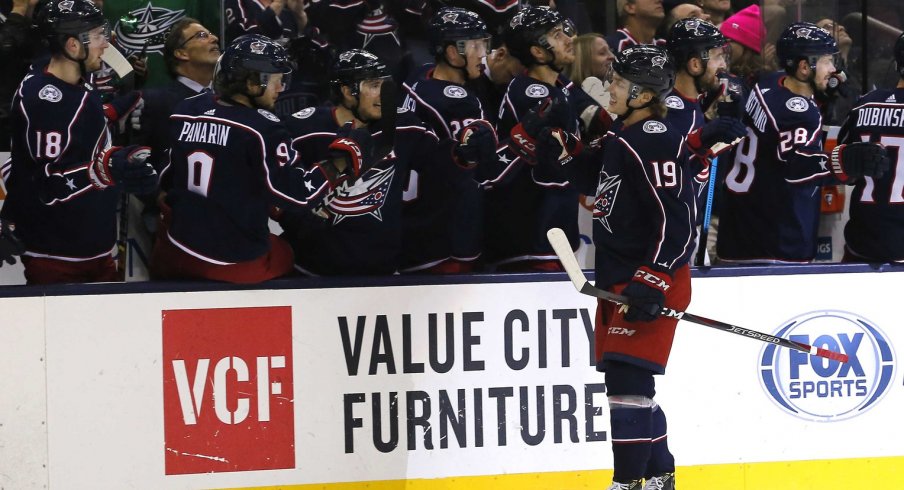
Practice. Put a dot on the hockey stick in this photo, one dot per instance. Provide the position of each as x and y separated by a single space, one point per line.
560 244
387 124
707 215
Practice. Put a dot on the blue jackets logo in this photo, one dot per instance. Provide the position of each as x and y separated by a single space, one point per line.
822 390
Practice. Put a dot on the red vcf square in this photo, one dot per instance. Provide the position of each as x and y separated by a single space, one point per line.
227 390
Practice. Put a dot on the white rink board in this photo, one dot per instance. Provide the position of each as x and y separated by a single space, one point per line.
105 395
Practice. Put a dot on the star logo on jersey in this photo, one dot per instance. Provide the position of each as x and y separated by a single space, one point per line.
606 192
153 25
70 183
309 186
658 61
364 197
504 159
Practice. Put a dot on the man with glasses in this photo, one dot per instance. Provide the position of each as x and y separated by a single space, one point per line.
65 178
190 52
231 161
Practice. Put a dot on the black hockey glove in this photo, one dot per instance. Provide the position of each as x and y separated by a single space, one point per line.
126 166
557 147
352 152
724 130
551 113
731 98
10 245
861 159
477 142
646 291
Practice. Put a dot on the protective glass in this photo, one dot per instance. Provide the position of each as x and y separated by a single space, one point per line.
473 47
283 79
96 37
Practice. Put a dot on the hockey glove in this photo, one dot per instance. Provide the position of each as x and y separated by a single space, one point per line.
477 142
861 159
10 245
731 98
352 151
646 292
557 147
597 121
551 113
724 130
126 166
123 105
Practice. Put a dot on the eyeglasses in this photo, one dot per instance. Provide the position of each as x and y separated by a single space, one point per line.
202 35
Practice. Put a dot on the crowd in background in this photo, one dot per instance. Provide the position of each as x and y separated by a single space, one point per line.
315 35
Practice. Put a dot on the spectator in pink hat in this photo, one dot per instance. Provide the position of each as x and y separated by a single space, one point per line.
745 33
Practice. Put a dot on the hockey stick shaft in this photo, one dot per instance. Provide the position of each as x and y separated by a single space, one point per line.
560 244
707 214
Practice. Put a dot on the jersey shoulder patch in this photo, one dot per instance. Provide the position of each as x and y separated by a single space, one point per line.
674 102
797 104
536 90
50 93
267 114
304 113
654 127
455 92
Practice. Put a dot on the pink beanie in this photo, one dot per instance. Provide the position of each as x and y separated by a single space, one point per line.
745 27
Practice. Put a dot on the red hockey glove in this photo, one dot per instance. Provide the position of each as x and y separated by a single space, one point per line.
551 113
123 105
352 150
126 166
855 160
715 137
647 294
556 146
477 142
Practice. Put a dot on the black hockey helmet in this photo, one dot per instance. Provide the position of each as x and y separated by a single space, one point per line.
356 65
529 28
899 54
803 41
454 25
248 55
646 67
693 38
58 20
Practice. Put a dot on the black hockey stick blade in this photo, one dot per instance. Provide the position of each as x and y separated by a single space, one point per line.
560 244
388 113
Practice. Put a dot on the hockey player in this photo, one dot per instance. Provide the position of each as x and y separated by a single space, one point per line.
770 210
520 212
441 95
231 160
359 228
875 230
643 229
65 178
699 52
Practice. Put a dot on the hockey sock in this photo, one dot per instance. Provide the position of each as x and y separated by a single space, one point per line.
632 425
661 460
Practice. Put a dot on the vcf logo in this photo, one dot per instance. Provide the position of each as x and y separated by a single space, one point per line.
819 389
227 390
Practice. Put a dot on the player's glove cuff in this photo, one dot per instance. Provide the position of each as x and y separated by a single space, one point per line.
523 144
652 278
99 171
350 150
838 165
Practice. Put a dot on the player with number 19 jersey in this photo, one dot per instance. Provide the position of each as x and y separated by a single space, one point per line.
770 211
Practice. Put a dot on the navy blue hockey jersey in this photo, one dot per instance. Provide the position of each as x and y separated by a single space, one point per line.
770 210
622 39
58 129
644 211
363 231
230 164
875 231
685 115
533 199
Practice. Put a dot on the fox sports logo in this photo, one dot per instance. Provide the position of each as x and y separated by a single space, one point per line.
823 390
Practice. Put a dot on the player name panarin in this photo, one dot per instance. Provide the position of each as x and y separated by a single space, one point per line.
757 113
204 132
880 116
